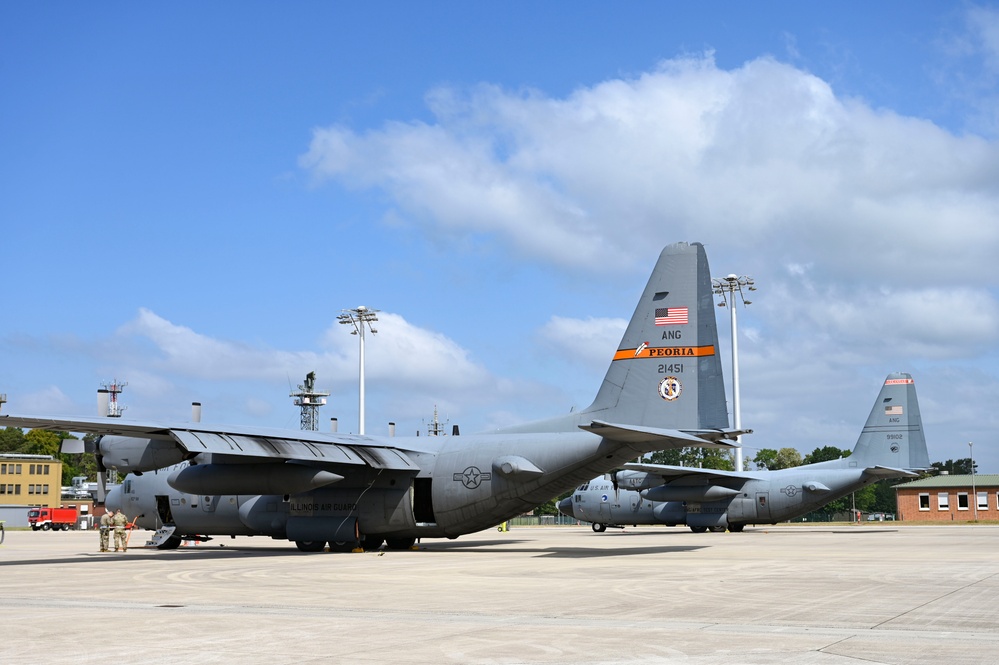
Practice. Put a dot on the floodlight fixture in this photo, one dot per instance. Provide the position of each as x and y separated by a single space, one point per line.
727 287
359 317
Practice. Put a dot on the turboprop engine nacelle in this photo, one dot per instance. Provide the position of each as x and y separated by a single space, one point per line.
128 454
688 493
262 478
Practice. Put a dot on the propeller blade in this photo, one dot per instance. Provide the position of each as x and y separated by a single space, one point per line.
72 446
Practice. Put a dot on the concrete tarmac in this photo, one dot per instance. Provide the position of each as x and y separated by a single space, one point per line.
829 595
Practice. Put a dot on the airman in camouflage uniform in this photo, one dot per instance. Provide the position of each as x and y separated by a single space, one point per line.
107 519
120 521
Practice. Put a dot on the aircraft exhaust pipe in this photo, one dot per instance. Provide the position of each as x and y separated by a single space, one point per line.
195 412
333 425
391 429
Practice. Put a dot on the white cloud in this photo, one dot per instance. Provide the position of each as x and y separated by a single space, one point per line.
50 400
765 153
590 341
188 353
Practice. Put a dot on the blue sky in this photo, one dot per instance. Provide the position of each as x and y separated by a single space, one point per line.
191 194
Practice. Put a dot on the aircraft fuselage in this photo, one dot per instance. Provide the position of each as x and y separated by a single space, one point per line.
774 497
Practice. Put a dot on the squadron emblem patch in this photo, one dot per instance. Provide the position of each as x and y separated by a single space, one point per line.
670 388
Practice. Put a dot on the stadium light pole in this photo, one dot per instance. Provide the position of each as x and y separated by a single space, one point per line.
358 317
974 490
727 287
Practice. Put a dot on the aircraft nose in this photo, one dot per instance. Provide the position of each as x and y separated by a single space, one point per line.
113 500
565 506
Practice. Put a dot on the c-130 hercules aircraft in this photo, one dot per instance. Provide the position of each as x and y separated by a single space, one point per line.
663 390
891 445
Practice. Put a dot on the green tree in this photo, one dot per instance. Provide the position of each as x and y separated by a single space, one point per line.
765 459
702 458
955 467
11 440
824 454
771 460
42 442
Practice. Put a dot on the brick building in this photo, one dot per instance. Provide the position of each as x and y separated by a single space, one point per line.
949 498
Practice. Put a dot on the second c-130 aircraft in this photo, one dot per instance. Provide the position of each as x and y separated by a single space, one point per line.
891 445
663 390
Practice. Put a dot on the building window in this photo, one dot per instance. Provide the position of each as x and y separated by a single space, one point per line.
45 489
983 501
943 501
46 469
31 489
17 470
924 501
17 489
3 489
3 468
31 469
962 500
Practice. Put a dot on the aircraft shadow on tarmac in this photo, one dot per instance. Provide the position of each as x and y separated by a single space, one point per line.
492 547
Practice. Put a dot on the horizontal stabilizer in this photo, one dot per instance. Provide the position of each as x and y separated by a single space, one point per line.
888 472
666 438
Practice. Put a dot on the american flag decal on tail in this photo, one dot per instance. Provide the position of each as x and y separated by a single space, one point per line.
671 316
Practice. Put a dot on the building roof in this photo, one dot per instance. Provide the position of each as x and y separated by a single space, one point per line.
981 480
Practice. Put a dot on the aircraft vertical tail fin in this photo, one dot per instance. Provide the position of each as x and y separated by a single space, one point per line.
893 436
667 371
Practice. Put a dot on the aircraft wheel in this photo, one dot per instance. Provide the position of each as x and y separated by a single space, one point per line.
698 529
171 543
341 545
736 528
310 545
370 543
599 528
717 529
399 543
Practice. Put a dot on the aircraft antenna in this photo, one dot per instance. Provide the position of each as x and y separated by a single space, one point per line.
436 427
110 391
358 317
727 287
309 400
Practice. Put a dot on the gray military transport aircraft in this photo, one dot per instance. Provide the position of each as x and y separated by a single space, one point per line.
663 389
891 445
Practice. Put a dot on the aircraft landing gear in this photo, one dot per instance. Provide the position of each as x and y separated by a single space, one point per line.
698 529
370 543
599 528
717 529
171 543
342 545
736 528
310 545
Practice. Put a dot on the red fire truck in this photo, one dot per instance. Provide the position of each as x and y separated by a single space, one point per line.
52 518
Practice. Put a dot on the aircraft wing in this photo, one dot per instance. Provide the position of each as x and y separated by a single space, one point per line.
251 442
670 473
667 438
